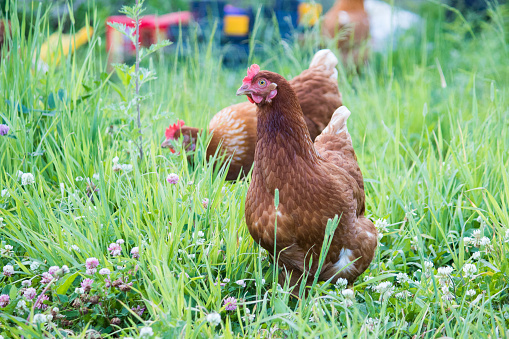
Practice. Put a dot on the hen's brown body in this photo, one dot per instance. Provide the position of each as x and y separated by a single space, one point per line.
316 182
234 127
349 19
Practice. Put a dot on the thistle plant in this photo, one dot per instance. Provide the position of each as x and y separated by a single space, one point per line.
135 76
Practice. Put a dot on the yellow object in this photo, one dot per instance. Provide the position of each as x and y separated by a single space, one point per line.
236 25
50 50
309 13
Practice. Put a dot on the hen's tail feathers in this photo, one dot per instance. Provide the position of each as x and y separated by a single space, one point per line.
326 58
337 123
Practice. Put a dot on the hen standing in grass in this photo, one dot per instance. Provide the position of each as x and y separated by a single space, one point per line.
349 19
316 182
234 127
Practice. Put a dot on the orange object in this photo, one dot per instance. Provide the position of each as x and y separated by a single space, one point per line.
236 25
309 13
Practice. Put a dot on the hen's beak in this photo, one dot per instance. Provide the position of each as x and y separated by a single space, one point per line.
167 144
244 90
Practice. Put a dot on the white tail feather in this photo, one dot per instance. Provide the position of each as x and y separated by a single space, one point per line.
326 58
337 123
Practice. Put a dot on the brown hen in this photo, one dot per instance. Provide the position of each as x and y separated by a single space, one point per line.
348 21
316 182
234 127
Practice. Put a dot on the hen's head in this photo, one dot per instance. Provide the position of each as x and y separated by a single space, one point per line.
259 87
175 131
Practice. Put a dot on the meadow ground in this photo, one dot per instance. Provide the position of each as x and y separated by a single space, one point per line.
431 130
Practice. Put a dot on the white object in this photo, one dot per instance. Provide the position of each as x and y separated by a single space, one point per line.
386 21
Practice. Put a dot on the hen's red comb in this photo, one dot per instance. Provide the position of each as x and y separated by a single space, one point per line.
170 131
251 72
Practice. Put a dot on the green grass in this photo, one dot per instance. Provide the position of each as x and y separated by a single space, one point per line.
433 155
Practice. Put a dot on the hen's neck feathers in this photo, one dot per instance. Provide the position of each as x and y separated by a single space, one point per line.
281 127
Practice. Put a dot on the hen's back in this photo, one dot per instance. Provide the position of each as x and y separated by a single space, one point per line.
317 91
335 146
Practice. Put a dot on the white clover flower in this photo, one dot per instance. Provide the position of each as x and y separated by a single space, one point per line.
485 241
381 227
104 271
79 179
341 283
19 174
481 221
55 310
115 160
249 317
470 293
370 324
96 176
21 306
74 248
447 270
476 255
27 179
469 270
403 295
446 293
414 242
443 275
146 332
385 288
127 168
214 318
241 283
348 294
116 167
428 264
8 270
65 269
402 278
39 319
7 250
79 290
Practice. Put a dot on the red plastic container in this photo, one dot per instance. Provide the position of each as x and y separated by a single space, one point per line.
156 28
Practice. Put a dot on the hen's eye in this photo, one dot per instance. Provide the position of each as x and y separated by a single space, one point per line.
262 82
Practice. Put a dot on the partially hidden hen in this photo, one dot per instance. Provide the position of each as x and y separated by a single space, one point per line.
316 182
234 127
348 21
